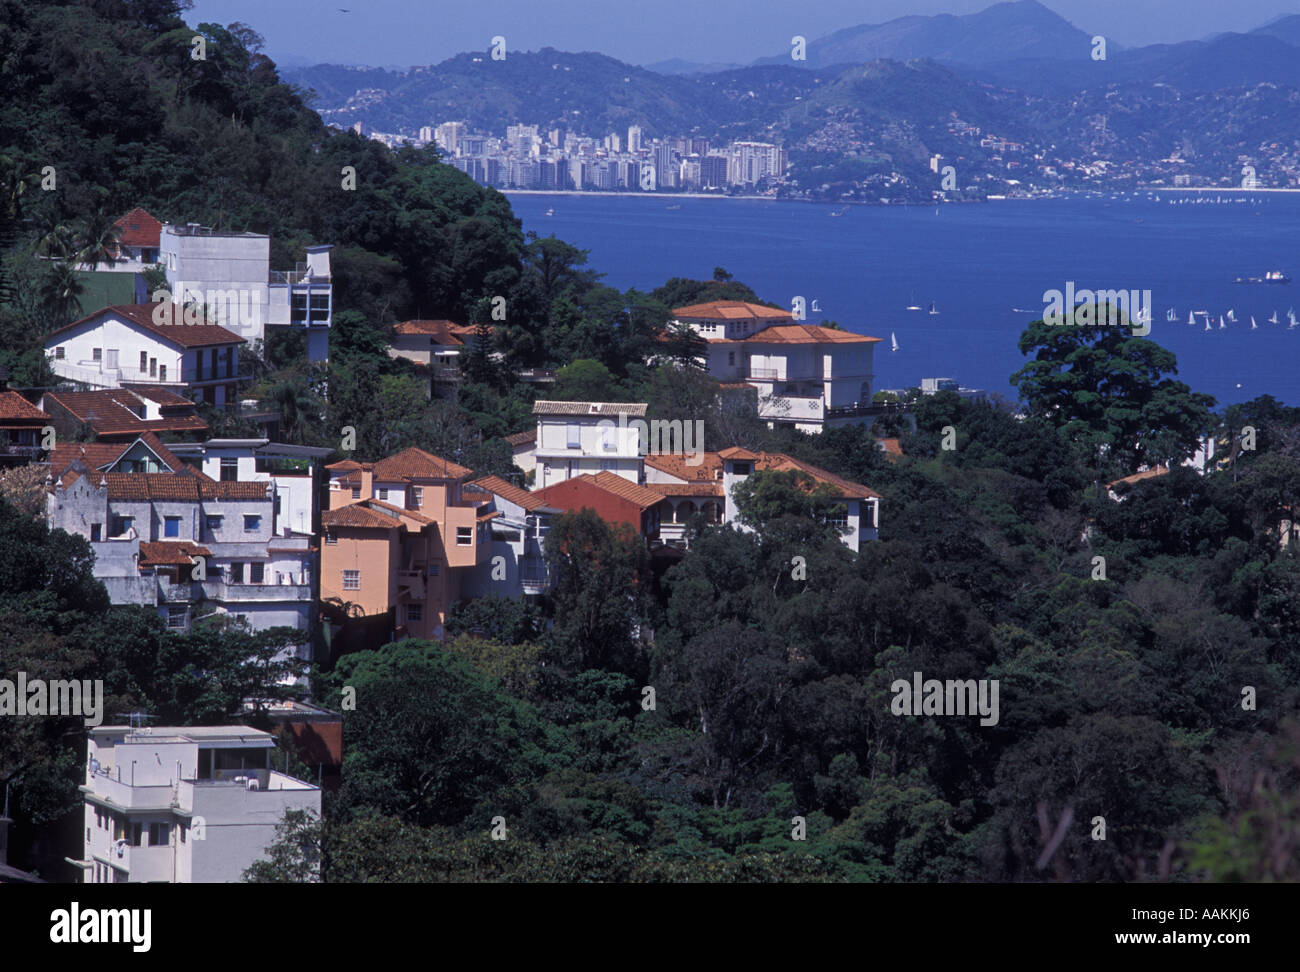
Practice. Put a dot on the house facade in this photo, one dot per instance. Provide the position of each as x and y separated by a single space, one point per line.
145 345
515 564
401 539
21 425
184 544
613 498
806 376
580 438
183 804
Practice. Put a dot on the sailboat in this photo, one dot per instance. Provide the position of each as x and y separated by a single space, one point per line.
1273 319
893 342
1171 315
1191 317
933 310
1222 326
1253 325
1232 315
1207 324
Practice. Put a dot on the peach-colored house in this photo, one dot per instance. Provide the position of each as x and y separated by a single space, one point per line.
400 539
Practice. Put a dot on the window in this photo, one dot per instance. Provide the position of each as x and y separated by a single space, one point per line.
278 505
331 537
171 526
352 580
740 469
237 572
185 831
381 494
96 532
356 492
144 361
435 570
159 834
257 572
252 523
162 372
574 436
136 837
153 367
464 536
176 618
229 469
214 523
731 357
58 353
97 354
414 612
417 497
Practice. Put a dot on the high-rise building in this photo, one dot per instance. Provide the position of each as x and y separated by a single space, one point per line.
713 172
426 134
448 134
753 161
634 138
614 142
665 170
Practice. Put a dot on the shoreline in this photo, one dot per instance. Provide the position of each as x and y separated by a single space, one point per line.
1056 194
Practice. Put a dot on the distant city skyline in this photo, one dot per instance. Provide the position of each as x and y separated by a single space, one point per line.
402 33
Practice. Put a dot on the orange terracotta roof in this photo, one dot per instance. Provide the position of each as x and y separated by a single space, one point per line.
509 492
179 486
116 411
686 489
679 465
18 410
522 438
736 452
170 553
103 455
442 331
138 228
178 333
807 334
415 463
732 310
892 446
400 511
847 489
358 515
628 490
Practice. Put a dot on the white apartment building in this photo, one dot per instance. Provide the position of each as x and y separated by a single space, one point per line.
752 161
230 273
143 344
291 469
187 545
807 376
574 438
182 805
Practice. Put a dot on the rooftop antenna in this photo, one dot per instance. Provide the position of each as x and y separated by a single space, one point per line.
138 720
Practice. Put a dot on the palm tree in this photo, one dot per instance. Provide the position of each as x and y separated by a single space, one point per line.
97 239
64 290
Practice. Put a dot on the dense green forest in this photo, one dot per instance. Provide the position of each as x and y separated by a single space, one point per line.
1148 651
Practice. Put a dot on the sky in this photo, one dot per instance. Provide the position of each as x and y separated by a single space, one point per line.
400 33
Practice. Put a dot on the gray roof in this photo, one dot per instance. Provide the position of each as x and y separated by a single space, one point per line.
588 408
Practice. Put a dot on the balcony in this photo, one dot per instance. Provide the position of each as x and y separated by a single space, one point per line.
225 592
183 593
873 408
790 408
30 452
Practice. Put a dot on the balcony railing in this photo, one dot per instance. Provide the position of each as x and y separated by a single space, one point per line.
873 408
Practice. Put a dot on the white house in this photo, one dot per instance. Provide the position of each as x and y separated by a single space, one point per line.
231 274
806 376
708 487
184 804
144 345
292 468
187 545
574 438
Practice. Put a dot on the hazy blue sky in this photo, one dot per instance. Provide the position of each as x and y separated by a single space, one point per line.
405 32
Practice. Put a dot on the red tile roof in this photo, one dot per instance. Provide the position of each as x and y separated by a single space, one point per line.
359 515
523 438
102 455
509 492
170 553
732 310
807 334
1137 477
736 452
115 411
628 490
14 409
844 488
178 333
415 463
441 331
679 465
181 486
138 228
686 489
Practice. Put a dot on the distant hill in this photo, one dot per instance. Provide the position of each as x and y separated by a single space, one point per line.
1284 29
1003 32
676 65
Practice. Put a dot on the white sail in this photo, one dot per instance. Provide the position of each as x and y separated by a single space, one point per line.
893 341
1253 325
1273 319
1191 317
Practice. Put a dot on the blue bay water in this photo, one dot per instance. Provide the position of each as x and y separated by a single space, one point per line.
976 263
